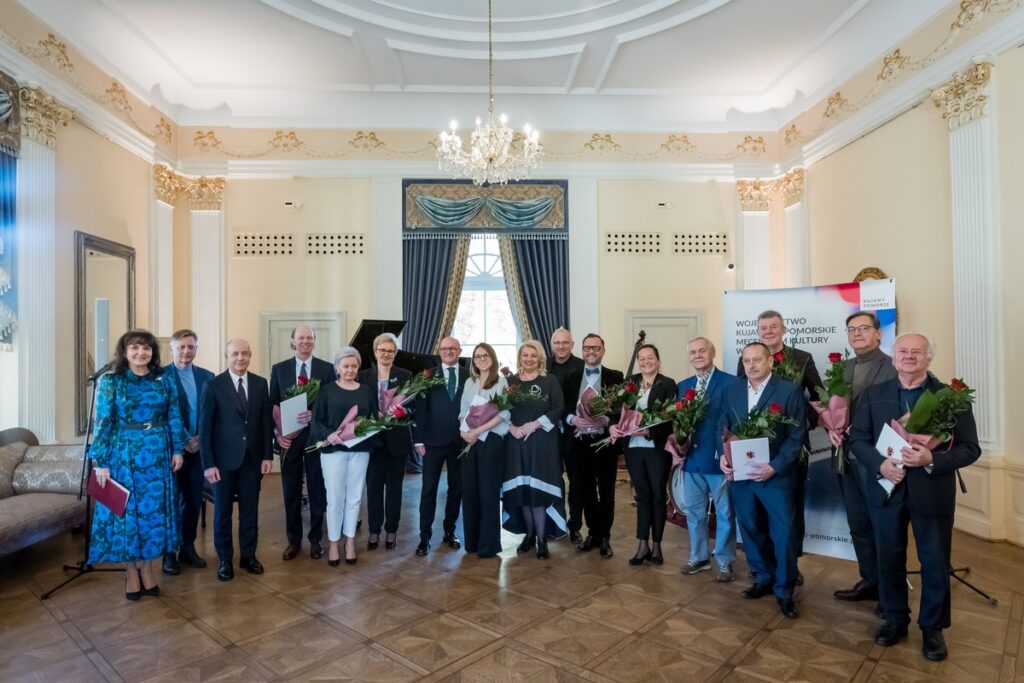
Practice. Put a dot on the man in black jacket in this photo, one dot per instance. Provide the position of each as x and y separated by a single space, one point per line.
437 439
561 364
236 437
294 458
923 494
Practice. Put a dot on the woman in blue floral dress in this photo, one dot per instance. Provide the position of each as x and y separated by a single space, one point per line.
138 441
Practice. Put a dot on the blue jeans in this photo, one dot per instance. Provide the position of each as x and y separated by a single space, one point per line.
697 489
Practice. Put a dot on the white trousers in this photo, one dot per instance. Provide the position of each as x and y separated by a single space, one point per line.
344 479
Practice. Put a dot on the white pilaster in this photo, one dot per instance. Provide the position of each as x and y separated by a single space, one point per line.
386 248
161 268
35 337
583 257
755 250
797 261
206 228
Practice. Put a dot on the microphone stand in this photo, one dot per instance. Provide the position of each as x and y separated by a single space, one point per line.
83 566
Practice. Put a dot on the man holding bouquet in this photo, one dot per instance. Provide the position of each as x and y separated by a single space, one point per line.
923 486
595 469
765 503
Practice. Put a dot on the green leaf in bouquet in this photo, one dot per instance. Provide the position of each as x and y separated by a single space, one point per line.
922 413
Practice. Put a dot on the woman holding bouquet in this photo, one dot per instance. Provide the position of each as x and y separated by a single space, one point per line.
483 427
344 466
646 458
532 492
387 461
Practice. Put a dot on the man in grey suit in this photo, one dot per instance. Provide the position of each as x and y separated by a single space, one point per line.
870 365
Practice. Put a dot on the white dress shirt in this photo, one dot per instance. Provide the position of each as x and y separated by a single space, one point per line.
754 395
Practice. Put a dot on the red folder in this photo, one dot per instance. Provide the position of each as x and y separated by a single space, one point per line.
113 495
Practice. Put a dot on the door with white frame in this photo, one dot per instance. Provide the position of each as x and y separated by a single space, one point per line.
670 330
330 328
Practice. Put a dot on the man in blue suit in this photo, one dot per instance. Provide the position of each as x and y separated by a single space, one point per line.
702 477
190 380
766 504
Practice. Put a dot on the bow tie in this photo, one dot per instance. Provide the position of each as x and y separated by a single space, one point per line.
592 371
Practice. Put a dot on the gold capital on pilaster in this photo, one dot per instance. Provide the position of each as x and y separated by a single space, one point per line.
755 195
41 114
168 183
963 95
790 187
205 193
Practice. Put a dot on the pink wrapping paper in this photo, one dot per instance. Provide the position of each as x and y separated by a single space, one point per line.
628 424
346 430
678 450
584 422
481 414
927 440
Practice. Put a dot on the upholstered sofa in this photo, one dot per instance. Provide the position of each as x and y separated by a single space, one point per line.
38 489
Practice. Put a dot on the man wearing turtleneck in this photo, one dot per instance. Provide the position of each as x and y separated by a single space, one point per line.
870 365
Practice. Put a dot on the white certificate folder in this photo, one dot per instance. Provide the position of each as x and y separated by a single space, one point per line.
745 454
290 409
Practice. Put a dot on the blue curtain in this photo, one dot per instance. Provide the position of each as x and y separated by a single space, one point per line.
544 281
454 213
426 270
8 262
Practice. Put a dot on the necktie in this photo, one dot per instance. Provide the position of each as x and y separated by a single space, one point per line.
302 371
241 396
453 383
592 371
702 385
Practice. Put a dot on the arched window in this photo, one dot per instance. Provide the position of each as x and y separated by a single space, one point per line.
484 314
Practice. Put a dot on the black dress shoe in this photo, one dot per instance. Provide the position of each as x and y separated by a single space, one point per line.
528 544
587 544
879 612
934 646
861 591
316 550
372 544
889 634
390 541
251 565
189 556
787 607
291 552
575 536
452 541
225 572
638 560
171 566
757 590
606 548
542 549
423 548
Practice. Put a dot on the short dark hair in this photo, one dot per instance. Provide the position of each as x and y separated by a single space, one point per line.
767 351
182 333
652 347
875 322
137 337
593 335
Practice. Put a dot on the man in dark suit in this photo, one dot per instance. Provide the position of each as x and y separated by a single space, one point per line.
236 440
765 504
190 380
702 477
437 439
869 366
294 458
595 470
924 494
562 363
771 328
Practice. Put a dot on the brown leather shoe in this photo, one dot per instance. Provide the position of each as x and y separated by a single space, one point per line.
291 551
862 591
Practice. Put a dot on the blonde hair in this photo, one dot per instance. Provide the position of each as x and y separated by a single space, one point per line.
541 356
385 337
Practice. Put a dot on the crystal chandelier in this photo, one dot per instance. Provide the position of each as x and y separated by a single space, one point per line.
496 153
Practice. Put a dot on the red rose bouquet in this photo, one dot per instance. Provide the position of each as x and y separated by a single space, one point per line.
354 429
686 414
787 368
757 424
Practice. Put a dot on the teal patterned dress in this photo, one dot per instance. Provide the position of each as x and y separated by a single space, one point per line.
139 459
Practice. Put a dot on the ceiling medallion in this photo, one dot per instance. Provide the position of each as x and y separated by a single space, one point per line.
496 153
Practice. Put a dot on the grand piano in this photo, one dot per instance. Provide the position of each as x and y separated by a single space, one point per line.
368 330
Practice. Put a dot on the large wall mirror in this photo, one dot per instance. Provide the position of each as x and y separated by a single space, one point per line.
104 309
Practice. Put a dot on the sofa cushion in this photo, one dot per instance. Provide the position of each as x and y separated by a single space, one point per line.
29 518
49 469
10 457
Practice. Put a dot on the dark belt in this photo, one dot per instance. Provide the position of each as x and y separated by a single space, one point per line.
141 426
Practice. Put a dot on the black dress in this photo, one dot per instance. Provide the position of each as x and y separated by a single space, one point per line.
331 407
533 467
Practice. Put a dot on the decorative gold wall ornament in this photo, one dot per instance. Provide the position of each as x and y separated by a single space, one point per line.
205 194
870 273
754 146
365 141
836 104
964 96
41 114
791 136
892 65
602 143
755 195
289 141
790 187
168 183
678 144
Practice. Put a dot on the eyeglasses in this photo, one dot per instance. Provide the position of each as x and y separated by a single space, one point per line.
386 352
456 349
480 356
592 348
859 328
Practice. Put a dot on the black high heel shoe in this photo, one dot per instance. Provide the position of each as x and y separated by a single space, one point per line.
542 549
655 556
528 544
372 545
133 595
333 563
638 559
390 541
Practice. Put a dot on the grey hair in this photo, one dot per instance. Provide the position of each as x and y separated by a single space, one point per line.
346 352
931 346
707 341
385 337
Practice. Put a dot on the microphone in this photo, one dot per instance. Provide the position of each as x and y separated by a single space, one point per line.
99 373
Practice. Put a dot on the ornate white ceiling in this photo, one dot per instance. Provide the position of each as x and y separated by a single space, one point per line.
694 65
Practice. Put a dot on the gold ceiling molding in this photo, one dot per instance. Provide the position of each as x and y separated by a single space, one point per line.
205 194
168 183
56 53
41 114
896 64
289 141
757 194
963 96
675 145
